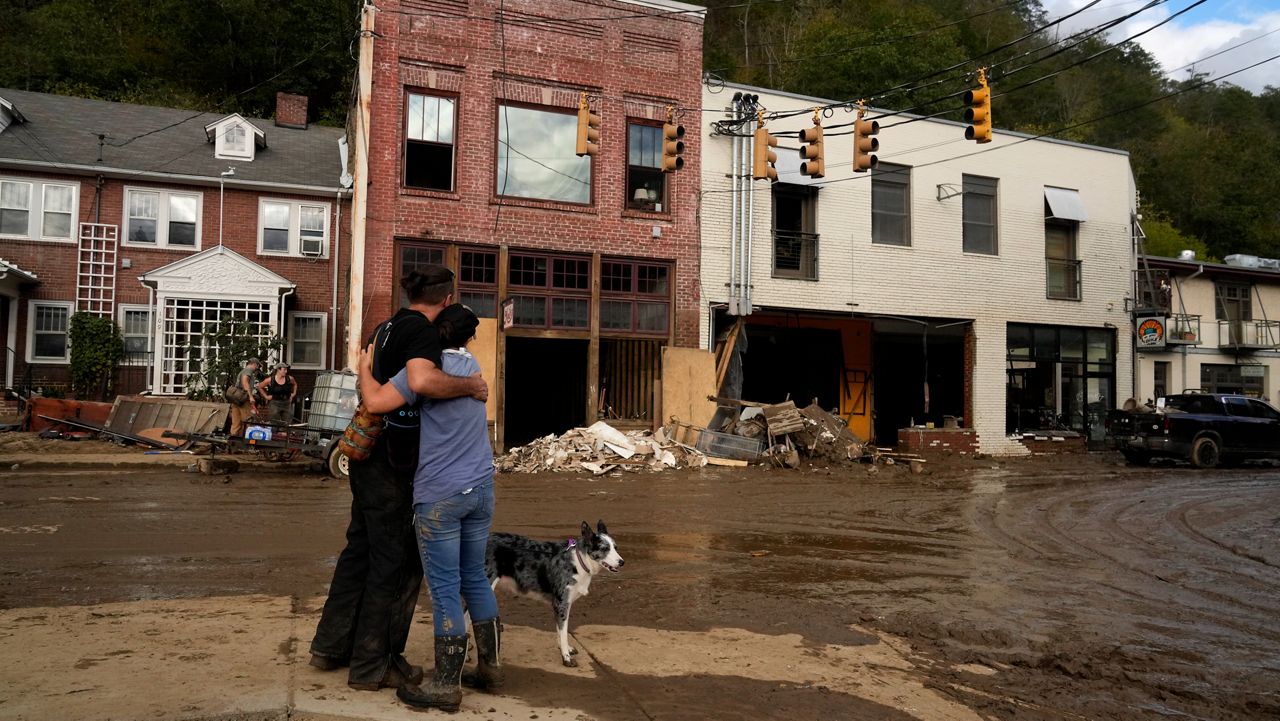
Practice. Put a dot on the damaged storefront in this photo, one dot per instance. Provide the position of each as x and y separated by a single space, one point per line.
594 324
1060 379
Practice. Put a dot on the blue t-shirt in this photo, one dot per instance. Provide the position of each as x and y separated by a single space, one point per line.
453 451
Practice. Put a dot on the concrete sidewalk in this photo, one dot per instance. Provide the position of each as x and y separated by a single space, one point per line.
245 657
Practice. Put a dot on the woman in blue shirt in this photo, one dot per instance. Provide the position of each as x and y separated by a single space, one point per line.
453 509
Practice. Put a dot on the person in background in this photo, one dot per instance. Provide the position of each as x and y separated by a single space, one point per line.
241 412
279 390
453 509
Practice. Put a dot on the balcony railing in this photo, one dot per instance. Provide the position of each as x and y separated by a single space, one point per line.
1153 290
1062 278
795 254
1249 334
1182 330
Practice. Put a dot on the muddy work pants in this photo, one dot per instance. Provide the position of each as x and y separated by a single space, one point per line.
378 575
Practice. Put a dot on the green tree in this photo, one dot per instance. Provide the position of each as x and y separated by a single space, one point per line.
96 348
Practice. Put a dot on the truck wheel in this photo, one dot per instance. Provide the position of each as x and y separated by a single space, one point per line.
1205 453
1136 458
339 464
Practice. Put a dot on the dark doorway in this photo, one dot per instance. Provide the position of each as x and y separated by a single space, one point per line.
898 375
800 363
546 387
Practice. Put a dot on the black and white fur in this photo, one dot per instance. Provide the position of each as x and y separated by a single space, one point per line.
558 572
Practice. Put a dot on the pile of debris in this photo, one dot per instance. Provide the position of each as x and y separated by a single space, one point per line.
601 449
784 433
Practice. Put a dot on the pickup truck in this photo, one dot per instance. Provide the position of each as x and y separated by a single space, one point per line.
1207 429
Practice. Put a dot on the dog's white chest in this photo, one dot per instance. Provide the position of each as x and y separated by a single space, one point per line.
580 587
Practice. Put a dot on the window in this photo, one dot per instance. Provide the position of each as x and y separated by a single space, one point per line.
428 152
234 140
59 205
35 210
47 339
1062 267
293 228
646 183
15 208
1235 301
1262 410
536 156
980 234
550 291
1160 379
795 245
306 340
162 218
635 298
135 327
1230 378
891 204
478 281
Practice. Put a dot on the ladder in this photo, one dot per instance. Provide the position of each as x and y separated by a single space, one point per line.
96 269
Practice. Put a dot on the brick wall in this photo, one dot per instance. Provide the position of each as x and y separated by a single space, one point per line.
550 56
938 441
54 263
291 110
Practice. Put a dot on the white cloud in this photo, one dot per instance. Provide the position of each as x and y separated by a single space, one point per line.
1210 28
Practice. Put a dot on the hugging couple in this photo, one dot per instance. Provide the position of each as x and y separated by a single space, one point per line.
422 501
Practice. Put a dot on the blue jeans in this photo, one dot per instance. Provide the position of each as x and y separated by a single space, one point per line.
452 536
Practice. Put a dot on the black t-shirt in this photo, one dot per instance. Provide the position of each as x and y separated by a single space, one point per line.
407 335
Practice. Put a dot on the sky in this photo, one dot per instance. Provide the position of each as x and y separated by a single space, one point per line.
1213 26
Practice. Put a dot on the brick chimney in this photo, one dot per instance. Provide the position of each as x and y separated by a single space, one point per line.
291 110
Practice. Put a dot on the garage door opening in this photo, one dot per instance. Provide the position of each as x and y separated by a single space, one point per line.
802 363
898 376
546 388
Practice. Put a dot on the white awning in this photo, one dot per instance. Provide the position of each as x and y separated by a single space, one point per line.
1064 204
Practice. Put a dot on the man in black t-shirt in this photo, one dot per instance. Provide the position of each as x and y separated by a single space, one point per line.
366 618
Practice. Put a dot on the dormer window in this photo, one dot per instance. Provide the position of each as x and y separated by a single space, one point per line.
235 138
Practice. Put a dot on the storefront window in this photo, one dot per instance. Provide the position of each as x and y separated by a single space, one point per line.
1059 378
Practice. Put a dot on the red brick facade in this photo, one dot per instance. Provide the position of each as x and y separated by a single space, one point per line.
638 66
55 263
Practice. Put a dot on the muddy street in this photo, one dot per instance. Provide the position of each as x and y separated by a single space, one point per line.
1033 589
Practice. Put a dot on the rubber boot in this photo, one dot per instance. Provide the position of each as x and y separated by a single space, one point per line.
442 690
488 674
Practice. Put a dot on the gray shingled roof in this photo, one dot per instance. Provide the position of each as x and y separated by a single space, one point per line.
61 131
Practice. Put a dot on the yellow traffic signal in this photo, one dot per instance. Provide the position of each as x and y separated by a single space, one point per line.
978 114
588 129
672 147
811 152
762 157
863 144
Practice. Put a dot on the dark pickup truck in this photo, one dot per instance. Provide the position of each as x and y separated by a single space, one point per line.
1206 429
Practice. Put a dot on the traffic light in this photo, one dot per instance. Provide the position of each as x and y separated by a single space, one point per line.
978 114
588 129
863 144
811 152
762 157
672 147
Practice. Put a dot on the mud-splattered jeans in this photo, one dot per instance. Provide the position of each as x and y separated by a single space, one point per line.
452 536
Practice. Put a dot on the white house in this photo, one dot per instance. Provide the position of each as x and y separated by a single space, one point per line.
1213 327
988 283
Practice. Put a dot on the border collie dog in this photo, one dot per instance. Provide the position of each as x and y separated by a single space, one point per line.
557 572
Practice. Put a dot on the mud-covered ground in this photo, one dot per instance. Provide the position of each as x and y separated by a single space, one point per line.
1032 589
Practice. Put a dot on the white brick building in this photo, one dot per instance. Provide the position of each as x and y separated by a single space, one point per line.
999 352
1221 333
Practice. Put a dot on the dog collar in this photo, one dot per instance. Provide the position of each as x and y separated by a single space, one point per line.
578 551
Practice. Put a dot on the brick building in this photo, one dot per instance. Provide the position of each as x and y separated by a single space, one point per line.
471 130
134 213
988 286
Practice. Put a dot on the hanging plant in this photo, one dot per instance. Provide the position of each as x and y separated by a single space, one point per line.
96 349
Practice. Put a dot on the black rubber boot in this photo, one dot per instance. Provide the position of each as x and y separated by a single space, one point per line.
442 690
488 674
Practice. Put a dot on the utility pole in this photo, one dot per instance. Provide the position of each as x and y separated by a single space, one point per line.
360 188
